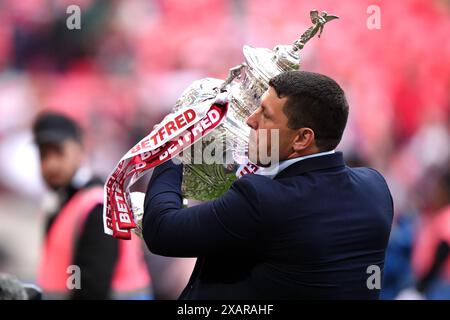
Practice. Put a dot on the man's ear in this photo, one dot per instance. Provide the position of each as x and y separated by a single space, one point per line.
303 140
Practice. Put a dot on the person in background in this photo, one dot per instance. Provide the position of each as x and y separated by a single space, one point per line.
398 274
431 250
78 260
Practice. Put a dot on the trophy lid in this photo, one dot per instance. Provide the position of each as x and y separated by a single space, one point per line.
265 64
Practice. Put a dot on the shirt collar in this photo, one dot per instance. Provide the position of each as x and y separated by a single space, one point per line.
273 170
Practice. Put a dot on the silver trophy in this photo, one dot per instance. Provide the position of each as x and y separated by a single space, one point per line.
244 86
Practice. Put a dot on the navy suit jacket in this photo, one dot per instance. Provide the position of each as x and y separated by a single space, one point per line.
310 233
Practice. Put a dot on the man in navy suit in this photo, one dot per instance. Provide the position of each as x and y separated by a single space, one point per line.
308 227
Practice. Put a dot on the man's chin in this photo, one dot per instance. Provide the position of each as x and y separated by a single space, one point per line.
54 186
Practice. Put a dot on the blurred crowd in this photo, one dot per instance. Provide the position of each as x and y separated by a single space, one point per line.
124 69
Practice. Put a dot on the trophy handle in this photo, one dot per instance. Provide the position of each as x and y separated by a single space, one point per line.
233 73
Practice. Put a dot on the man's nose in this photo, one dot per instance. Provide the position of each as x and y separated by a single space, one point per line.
251 121
50 162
